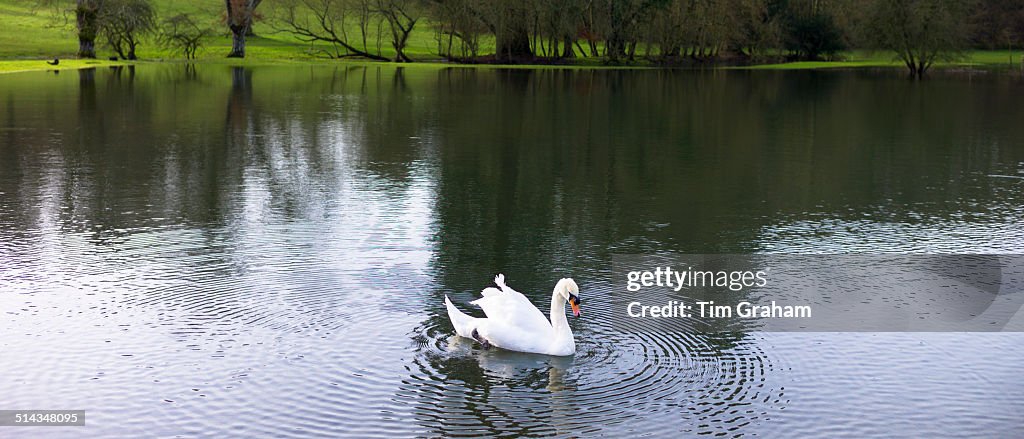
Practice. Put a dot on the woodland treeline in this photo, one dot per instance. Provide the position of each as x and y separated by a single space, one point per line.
663 30
920 32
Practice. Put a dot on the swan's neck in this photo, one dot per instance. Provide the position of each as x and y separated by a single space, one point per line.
558 321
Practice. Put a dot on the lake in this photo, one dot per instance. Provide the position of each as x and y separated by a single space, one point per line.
265 251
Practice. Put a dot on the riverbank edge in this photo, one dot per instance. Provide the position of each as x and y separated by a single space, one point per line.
32 65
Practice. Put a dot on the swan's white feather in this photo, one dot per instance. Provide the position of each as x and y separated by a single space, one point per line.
464 324
512 309
490 291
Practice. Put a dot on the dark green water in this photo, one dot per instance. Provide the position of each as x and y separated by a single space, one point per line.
264 251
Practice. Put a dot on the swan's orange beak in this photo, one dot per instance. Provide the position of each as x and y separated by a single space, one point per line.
575 304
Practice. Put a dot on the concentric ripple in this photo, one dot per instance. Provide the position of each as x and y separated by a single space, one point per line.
675 381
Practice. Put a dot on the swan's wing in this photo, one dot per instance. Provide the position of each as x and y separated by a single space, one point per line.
487 292
510 308
509 292
505 289
511 311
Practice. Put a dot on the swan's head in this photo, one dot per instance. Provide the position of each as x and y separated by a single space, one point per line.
571 292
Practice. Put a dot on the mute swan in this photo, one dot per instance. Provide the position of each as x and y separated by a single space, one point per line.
513 322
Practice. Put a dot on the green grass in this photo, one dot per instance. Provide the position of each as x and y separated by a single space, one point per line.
30 33
988 59
11 66
811 65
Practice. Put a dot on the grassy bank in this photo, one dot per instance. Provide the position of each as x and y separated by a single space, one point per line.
12 66
985 60
30 34
30 31
981 59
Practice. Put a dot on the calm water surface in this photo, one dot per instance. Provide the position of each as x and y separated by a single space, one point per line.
218 251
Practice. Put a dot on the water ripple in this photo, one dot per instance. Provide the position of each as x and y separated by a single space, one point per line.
706 384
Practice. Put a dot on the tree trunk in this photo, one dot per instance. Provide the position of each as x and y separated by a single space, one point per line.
916 65
86 14
615 47
237 41
399 46
239 19
131 50
514 44
567 51
513 33
86 47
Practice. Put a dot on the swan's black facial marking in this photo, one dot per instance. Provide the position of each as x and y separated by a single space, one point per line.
483 342
574 302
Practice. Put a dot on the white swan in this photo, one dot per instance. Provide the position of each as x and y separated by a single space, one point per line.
513 322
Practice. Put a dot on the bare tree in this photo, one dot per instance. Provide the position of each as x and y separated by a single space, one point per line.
124 22
759 27
920 32
183 33
664 29
240 15
401 17
619 24
326 21
457 21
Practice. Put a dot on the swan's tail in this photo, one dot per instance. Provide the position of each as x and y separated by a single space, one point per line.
463 323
